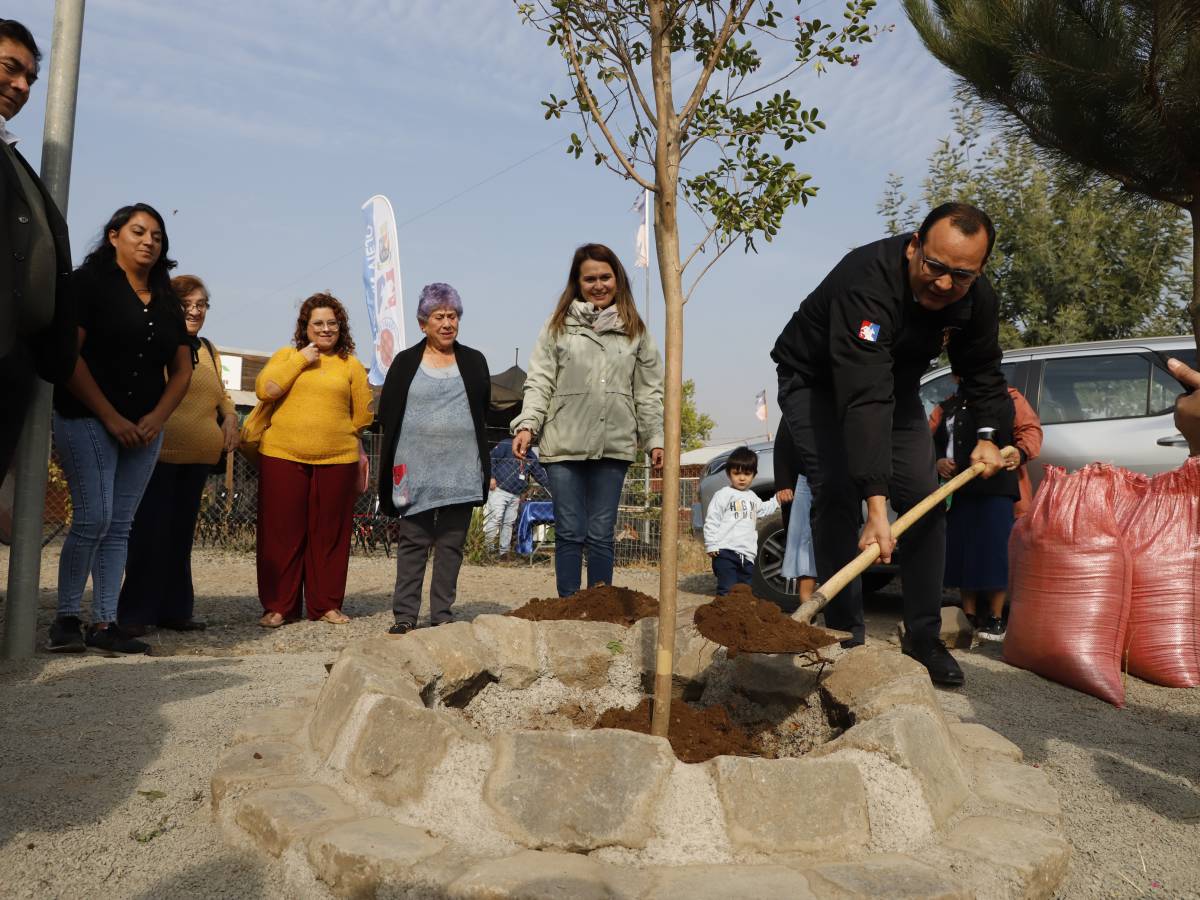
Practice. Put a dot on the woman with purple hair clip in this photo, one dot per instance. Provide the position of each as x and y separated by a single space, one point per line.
434 465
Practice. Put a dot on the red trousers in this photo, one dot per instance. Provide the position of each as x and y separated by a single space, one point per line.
305 515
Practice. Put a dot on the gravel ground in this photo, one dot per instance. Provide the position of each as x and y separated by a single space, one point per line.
105 762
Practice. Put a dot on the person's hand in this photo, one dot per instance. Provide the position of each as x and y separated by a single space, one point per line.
714 553
1187 406
878 529
232 433
946 467
150 426
1012 458
656 457
124 431
311 354
492 485
987 453
521 441
786 495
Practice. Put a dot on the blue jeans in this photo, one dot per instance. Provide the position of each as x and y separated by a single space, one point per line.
499 517
731 568
107 482
585 494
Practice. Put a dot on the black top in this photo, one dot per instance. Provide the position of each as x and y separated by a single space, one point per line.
393 401
1003 483
862 335
127 344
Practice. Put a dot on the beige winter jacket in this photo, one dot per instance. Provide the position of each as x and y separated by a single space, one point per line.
589 395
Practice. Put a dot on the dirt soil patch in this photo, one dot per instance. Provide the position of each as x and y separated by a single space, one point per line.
603 603
696 735
742 623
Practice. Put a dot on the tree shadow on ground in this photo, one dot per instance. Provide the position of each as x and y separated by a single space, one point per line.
232 874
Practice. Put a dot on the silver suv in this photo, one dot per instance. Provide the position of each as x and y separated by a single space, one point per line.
1105 401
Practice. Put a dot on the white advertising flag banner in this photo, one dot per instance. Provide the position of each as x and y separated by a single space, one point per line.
642 208
381 280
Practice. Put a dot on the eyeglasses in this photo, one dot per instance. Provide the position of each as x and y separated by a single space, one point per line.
331 326
196 307
935 269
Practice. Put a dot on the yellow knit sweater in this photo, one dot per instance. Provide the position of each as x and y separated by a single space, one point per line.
323 408
191 435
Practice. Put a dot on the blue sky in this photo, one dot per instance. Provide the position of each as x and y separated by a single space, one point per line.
259 129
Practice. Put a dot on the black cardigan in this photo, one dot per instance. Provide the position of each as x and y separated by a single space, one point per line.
394 400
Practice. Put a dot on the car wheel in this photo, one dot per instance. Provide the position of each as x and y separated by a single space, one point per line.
768 582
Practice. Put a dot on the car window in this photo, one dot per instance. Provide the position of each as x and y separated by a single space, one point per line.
1163 391
940 388
1093 388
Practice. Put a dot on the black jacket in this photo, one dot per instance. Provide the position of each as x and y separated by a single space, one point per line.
54 348
956 409
394 400
862 336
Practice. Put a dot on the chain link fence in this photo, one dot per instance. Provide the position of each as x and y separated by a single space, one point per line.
229 510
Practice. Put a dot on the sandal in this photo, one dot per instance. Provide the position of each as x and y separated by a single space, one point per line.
335 617
271 620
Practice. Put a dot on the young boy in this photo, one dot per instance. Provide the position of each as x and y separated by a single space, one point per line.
731 526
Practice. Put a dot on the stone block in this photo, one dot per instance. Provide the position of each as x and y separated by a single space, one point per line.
693 652
976 738
577 653
276 818
272 725
793 805
1036 859
252 765
514 644
399 746
355 857
578 790
771 677
915 739
725 882
462 663
869 680
1014 784
356 674
535 875
887 878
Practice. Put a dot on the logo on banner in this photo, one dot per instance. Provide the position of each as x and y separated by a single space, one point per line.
869 331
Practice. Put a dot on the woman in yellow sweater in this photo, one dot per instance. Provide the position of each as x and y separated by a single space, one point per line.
158 572
308 466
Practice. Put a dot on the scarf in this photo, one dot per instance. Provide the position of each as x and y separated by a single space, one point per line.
599 320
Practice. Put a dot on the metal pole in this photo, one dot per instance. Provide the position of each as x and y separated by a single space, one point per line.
33 451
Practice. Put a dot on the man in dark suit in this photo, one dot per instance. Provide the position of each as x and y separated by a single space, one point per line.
38 336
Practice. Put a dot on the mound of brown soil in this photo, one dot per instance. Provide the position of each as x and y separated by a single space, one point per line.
742 623
603 603
696 735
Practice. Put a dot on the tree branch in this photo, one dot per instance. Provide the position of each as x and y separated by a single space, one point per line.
721 252
733 21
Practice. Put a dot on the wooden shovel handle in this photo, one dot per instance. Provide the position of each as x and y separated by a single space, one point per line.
860 563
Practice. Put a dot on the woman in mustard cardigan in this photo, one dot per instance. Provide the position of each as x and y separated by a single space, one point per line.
308 466
158 572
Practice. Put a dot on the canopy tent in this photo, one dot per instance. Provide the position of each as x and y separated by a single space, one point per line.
507 390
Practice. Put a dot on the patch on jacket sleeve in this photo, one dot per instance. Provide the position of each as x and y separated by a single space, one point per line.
869 331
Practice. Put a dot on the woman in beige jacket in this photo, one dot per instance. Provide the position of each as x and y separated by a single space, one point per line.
593 398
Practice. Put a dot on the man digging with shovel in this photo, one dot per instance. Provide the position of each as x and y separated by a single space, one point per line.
850 362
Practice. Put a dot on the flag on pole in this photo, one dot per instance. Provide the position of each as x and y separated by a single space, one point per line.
381 279
760 406
642 208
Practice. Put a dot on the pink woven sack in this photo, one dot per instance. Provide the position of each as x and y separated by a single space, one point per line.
1163 536
1069 579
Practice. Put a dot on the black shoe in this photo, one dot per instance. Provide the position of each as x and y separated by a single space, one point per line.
933 655
992 629
66 636
114 640
400 628
189 625
136 630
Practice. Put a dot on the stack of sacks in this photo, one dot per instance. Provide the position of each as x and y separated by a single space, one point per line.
1103 574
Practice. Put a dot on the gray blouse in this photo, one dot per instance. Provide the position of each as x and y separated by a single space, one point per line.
437 447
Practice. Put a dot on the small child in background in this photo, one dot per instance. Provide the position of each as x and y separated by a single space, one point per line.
731 526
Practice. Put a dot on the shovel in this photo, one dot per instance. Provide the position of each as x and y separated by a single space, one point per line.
859 564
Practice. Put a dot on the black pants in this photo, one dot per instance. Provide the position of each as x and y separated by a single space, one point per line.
17 377
837 504
445 530
731 568
158 571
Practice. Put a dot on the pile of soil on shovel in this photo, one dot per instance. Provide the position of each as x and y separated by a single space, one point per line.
696 735
602 603
742 623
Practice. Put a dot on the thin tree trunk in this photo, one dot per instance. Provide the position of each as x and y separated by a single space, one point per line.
666 245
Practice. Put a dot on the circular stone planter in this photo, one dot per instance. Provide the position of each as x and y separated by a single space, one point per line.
415 774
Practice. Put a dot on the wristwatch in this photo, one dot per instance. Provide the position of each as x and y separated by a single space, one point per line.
986 434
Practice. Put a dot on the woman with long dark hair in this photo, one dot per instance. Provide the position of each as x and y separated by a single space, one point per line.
109 416
309 466
593 398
